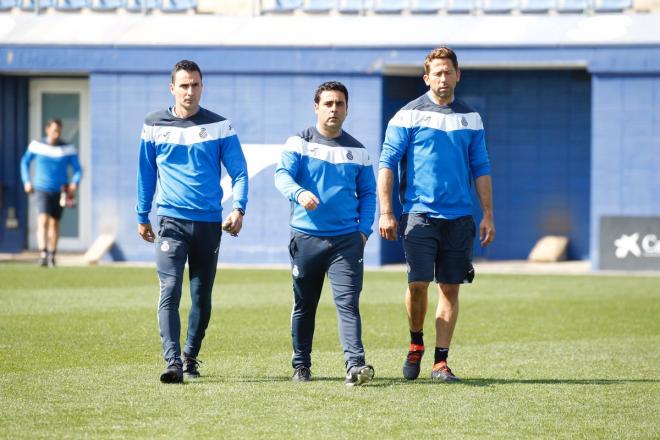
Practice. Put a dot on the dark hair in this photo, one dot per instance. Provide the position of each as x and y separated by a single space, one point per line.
53 121
440 52
330 85
188 66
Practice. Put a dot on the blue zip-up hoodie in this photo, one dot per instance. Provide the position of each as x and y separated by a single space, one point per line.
183 157
439 150
339 172
51 164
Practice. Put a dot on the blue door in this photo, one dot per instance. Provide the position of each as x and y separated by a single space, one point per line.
13 142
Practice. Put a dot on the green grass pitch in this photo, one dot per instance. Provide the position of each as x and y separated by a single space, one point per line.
541 357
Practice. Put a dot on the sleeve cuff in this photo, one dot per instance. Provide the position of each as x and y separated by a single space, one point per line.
143 218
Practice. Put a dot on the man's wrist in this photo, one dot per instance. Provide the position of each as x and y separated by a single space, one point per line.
240 210
386 212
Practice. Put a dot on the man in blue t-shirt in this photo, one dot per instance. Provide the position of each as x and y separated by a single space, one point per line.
437 143
51 185
327 176
181 149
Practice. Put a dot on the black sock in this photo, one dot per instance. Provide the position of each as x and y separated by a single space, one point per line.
417 338
441 354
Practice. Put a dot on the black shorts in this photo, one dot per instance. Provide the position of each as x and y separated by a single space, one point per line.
48 203
438 248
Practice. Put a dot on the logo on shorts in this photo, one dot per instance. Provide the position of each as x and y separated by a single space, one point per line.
203 133
464 122
165 246
349 155
295 272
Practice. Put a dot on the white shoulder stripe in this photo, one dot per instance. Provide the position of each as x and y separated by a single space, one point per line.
188 135
438 121
336 155
37 147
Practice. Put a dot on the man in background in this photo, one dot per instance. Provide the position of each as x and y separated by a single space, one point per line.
52 187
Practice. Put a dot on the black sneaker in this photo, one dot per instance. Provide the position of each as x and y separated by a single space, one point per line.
302 374
172 374
190 367
359 375
442 372
413 361
51 261
43 259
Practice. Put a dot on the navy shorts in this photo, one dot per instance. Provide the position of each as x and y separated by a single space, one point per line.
438 248
48 203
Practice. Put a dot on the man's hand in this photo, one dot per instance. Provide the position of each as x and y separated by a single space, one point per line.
73 187
28 188
233 223
486 230
145 231
308 200
387 226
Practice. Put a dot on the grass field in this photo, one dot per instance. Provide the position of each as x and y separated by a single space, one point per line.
541 357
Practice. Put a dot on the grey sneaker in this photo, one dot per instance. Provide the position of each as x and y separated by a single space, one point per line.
190 367
442 372
172 374
359 375
302 374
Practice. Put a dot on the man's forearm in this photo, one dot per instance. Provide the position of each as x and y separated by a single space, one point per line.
385 182
485 192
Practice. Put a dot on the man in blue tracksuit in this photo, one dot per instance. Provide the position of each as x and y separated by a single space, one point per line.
51 186
181 150
437 142
328 177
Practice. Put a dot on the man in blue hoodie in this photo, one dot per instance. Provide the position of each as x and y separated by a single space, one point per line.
50 185
438 144
327 176
181 150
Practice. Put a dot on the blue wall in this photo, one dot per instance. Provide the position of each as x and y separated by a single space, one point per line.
626 154
263 109
267 93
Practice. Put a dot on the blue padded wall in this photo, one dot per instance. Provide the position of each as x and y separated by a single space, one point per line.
626 148
538 136
263 110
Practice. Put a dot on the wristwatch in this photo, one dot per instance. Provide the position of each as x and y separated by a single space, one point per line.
240 210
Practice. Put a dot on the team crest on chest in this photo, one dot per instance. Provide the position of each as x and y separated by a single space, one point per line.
203 133
349 155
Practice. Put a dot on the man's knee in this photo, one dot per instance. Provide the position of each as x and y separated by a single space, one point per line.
417 288
449 291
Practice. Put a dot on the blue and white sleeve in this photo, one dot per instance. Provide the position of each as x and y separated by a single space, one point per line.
147 175
366 194
74 163
478 153
234 161
397 138
287 170
25 165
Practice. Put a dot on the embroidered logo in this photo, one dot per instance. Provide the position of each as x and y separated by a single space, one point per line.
203 133
165 135
349 155
464 122
165 246
295 272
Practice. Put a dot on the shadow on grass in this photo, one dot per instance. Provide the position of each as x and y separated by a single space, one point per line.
384 382
485 382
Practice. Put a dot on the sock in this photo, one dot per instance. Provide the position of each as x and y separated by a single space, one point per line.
417 338
44 253
441 354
